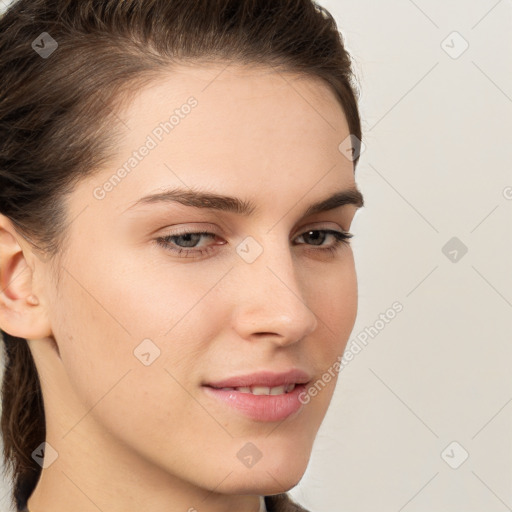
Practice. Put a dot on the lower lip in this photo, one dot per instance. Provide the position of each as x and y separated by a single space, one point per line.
261 407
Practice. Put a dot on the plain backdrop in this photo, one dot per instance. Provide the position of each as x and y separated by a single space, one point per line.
421 419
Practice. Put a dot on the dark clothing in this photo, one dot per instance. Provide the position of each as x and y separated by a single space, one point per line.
282 503
274 503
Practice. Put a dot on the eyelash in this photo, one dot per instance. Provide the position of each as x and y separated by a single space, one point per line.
341 238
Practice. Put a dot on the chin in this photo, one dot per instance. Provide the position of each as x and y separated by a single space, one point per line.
270 475
264 485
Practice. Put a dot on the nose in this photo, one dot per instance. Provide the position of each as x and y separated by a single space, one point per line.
271 300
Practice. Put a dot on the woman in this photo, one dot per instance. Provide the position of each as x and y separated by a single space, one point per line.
177 285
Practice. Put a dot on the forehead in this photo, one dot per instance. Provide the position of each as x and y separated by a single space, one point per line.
237 101
234 129
215 79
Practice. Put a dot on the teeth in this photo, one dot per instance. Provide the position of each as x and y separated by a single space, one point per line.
260 390
263 390
278 390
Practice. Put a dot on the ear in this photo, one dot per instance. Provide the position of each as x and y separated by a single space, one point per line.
23 310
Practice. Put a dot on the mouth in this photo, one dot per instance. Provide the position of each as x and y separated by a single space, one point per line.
261 396
263 382
260 403
261 390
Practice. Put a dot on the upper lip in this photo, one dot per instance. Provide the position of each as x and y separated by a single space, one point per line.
263 378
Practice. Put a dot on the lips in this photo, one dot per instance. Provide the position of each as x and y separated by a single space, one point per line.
262 408
263 379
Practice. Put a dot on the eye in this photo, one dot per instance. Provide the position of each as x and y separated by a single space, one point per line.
189 239
341 239
339 236
186 245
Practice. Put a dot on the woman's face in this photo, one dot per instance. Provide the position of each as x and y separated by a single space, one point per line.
142 329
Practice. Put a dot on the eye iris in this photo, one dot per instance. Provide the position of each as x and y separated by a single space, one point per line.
320 236
190 238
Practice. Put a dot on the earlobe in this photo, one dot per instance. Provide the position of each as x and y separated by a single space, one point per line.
22 312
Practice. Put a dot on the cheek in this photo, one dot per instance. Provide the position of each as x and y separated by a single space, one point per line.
111 385
152 409
333 297
95 348
153 296
128 319
343 308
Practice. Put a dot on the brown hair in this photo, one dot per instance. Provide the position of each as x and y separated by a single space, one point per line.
58 110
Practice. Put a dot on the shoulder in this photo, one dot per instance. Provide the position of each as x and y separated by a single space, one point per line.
282 503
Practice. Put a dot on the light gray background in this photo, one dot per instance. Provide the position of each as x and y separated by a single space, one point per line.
437 165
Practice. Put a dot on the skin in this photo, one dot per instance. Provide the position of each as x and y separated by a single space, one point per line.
131 437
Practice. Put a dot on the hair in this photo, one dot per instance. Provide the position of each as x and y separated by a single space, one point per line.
57 114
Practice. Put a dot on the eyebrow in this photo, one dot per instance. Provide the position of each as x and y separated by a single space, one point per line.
207 200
